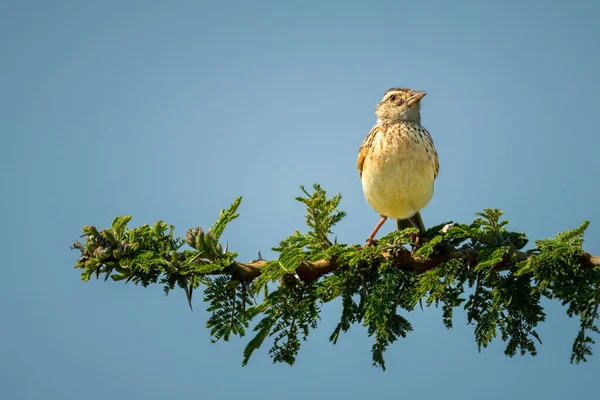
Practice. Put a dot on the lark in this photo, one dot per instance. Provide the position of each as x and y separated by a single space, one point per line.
397 162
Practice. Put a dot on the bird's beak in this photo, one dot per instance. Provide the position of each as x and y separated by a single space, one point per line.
415 98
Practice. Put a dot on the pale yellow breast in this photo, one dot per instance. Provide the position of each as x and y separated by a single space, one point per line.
399 170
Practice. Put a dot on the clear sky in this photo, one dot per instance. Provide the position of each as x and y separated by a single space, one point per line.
169 110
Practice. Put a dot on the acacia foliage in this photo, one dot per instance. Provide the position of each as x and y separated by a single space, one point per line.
500 292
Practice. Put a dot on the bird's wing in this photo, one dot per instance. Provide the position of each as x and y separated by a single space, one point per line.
431 146
364 149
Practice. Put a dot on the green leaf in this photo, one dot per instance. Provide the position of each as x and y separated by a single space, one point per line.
491 257
119 224
428 248
225 217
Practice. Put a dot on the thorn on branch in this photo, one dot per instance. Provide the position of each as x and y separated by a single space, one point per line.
260 258
188 292
77 245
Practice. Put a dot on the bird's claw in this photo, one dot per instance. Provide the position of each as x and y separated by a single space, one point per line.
370 242
417 241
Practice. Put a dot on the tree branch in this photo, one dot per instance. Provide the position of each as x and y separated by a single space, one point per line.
564 271
311 271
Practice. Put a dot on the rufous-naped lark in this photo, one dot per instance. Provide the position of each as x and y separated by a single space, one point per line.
397 162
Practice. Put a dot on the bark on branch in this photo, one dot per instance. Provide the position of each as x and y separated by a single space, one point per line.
311 271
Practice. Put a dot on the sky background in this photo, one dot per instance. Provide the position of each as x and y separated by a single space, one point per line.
169 110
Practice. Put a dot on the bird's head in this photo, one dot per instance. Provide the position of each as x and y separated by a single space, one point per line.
400 104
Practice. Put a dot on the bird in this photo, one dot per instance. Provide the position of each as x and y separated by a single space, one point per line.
398 163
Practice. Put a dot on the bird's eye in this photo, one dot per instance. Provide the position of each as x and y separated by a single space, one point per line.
393 97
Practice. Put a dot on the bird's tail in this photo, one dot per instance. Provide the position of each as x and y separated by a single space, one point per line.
413 222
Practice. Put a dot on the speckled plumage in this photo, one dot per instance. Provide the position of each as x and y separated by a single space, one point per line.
397 161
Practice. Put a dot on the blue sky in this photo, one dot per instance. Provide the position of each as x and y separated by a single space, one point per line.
170 111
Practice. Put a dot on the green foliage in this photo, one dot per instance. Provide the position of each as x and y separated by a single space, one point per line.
509 304
139 255
444 285
382 296
321 215
151 254
557 273
480 267
227 301
428 247
288 315
225 217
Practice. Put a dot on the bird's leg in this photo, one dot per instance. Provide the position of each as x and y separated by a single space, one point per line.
371 238
417 239
416 222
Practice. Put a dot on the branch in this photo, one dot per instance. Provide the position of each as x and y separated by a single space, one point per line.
588 260
372 282
311 271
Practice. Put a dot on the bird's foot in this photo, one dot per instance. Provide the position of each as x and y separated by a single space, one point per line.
370 242
417 241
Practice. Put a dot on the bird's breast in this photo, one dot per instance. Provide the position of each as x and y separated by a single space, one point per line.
399 170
